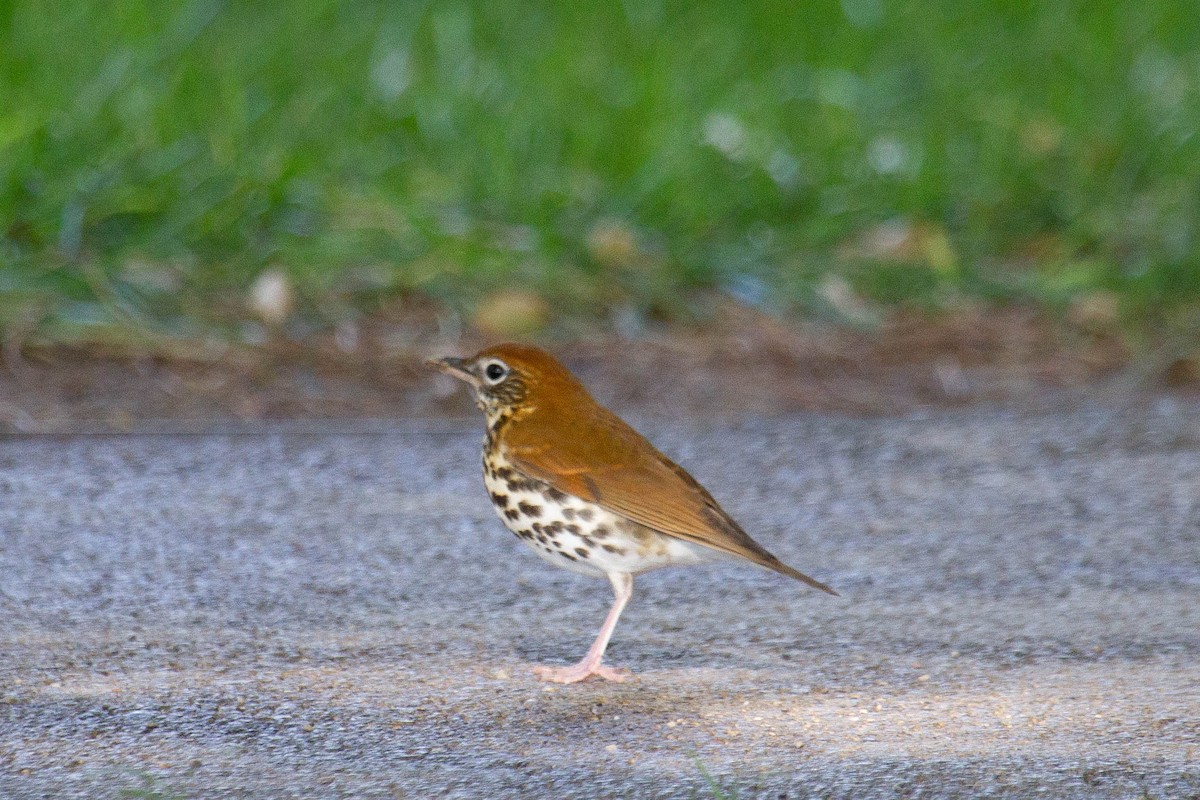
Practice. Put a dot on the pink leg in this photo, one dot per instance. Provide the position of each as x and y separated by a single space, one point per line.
622 583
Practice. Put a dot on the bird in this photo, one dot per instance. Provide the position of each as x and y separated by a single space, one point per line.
586 491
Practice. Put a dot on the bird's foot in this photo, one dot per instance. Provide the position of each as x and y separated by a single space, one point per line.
581 671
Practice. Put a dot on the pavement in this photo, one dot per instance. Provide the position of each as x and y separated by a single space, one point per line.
332 610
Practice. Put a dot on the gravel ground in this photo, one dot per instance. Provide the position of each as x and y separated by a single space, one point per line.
336 613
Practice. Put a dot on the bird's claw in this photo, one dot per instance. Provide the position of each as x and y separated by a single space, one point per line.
581 672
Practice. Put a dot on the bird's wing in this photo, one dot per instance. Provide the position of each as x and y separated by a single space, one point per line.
606 462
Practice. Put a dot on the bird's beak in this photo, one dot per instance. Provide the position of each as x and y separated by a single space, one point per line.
455 368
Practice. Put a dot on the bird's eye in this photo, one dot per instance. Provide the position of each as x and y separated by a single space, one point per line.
495 372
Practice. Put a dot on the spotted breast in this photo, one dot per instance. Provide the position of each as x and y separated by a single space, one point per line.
574 534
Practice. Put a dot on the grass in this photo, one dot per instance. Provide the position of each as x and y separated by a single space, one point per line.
155 157
711 783
151 788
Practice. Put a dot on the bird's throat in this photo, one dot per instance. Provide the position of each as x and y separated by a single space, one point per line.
497 418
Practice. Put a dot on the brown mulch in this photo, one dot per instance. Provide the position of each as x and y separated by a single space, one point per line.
741 362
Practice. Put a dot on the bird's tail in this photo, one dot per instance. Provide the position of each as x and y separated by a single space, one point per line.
784 569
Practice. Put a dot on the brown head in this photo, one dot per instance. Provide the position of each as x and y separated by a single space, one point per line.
508 378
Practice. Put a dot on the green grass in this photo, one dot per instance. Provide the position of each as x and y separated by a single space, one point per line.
711 783
156 156
150 788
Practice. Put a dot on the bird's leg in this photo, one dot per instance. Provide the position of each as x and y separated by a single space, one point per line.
622 583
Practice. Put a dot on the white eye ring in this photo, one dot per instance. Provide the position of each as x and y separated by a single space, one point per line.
494 372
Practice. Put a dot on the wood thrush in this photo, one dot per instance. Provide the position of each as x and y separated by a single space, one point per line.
586 491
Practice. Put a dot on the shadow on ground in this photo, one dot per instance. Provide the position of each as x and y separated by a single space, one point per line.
310 614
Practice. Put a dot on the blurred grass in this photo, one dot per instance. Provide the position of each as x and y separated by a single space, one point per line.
623 160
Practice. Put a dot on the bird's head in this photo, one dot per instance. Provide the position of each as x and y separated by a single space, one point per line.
508 378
